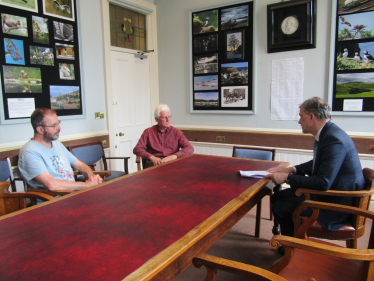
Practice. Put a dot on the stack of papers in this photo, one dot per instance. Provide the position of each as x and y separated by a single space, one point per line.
254 174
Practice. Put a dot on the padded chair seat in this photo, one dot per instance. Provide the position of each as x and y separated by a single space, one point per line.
115 174
344 233
305 265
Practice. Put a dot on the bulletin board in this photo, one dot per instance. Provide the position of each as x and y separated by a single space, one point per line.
353 65
221 59
39 58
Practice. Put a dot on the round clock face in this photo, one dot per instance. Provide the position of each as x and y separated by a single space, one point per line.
289 25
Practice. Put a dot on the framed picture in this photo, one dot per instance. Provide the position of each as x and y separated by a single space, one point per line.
206 64
234 17
41 55
63 9
14 53
204 22
14 25
21 79
352 65
40 30
234 73
63 31
209 82
221 59
65 97
206 43
235 96
234 45
206 99
29 5
65 51
291 25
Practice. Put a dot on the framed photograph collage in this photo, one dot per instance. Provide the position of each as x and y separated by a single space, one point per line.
39 57
222 59
353 73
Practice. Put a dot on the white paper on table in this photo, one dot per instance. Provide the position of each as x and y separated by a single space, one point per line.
287 88
254 174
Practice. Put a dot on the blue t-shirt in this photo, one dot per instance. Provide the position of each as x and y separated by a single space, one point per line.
35 159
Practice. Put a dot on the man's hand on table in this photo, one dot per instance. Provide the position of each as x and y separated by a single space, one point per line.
155 160
169 158
279 174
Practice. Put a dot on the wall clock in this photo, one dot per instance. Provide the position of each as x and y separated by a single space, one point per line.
291 25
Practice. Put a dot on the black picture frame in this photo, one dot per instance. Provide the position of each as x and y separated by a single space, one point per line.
301 35
238 55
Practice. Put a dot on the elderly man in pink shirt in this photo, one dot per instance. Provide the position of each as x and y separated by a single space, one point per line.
162 143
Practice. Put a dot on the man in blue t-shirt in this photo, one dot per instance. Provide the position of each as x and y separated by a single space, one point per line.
45 163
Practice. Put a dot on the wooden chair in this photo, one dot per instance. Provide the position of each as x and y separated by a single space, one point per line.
102 174
355 228
139 160
305 259
257 154
93 152
11 202
6 173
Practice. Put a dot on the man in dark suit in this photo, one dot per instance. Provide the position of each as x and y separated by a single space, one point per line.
335 166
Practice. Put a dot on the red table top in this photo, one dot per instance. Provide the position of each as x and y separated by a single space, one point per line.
108 232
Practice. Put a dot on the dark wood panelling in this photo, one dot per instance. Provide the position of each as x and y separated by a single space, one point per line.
269 139
13 153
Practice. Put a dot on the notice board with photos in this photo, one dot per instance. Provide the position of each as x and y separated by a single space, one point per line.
352 70
39 58
221 59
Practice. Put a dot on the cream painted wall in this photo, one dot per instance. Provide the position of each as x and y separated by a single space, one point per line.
174 67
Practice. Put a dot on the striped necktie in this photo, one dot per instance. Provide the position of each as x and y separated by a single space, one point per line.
315 146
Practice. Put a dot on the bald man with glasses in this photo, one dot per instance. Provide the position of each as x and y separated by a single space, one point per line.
45 163
162 143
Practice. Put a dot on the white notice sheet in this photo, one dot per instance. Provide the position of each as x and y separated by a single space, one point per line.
287 88
18 108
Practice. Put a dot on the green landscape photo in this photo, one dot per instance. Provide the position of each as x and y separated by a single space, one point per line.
355 85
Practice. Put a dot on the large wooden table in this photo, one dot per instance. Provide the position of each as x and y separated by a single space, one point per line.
144 226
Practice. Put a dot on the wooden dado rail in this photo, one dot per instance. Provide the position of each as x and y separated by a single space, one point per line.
13 153
293 141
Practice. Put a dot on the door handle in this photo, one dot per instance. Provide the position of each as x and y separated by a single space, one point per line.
121 134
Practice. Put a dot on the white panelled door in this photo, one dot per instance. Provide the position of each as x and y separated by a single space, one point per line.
131 103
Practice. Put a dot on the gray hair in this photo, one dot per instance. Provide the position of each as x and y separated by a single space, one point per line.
318 107
160 108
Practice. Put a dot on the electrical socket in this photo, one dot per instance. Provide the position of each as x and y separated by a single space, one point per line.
99 115
371 147
220 139
104 143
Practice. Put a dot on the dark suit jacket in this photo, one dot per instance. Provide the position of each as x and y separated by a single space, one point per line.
337 167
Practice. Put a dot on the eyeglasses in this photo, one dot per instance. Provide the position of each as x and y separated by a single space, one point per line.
53 126
165 117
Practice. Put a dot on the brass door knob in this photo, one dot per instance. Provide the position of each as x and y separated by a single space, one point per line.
121 134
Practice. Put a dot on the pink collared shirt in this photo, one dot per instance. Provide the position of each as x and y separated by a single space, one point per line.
153 142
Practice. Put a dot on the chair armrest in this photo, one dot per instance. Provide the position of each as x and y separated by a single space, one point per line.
301 191
103 174
213 263
4 186
329 250
125 161
38 195
301 230
117 157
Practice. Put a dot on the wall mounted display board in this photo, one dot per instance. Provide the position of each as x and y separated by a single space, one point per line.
221 59
39 58
352 73
291 25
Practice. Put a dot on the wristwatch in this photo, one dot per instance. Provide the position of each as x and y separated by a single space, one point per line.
288 178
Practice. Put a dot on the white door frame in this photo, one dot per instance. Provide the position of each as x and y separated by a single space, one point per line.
151 27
